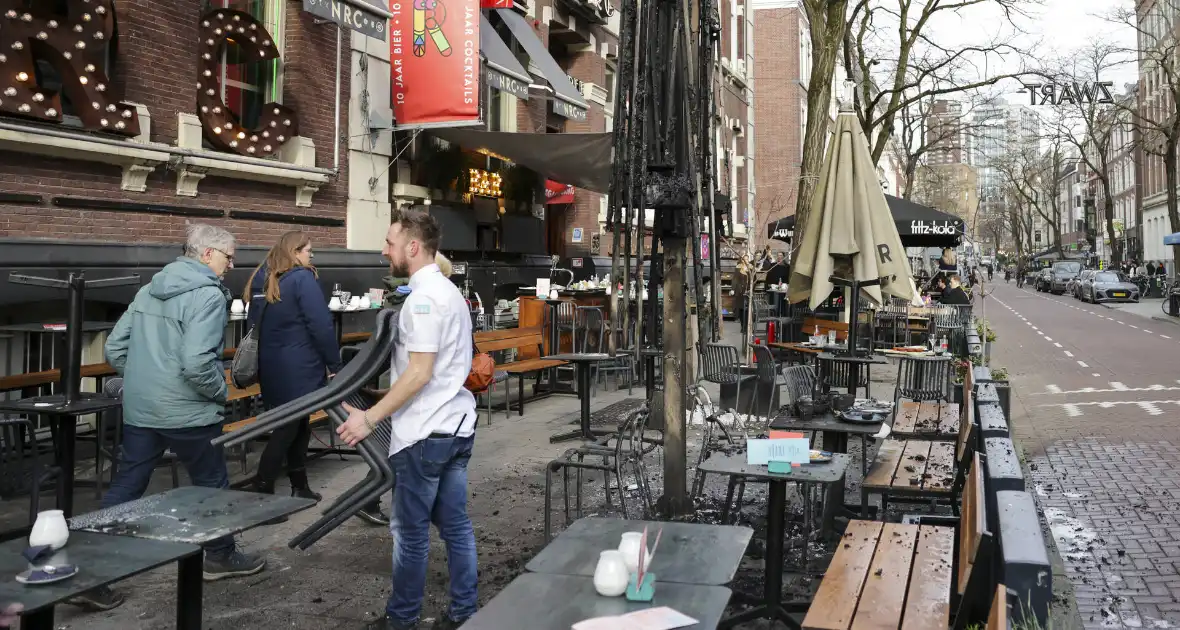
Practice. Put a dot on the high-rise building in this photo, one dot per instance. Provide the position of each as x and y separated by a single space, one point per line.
947 134
999 129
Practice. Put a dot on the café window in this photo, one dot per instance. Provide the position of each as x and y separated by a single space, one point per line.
49 79
246 86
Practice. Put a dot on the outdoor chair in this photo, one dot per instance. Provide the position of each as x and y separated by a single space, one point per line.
766 381
800 382
721 365
923 378
629 448
837 374
374 450
623 362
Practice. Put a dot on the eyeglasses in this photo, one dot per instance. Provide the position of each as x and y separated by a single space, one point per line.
228 257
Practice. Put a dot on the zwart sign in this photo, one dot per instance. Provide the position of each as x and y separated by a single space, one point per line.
933 228
1070 93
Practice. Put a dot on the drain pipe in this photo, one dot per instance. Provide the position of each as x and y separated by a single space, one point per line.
336 117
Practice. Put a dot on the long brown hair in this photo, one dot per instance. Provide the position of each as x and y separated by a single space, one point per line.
279 260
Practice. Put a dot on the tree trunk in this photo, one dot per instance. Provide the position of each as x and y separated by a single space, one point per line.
1170 172
1116 248
827 40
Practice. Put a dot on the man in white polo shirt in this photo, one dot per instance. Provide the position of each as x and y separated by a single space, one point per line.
433 426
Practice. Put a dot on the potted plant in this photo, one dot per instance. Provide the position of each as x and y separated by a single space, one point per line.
1003 390
987 335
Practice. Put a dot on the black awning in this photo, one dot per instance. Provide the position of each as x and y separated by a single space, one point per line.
568 102
504 72
576 159
917 225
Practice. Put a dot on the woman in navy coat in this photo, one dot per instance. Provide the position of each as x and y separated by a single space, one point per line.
297 351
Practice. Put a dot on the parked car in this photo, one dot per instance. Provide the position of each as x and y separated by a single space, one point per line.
1061 273
1109 286
1044 280
1075 286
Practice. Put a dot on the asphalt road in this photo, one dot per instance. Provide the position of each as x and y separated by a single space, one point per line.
1096 408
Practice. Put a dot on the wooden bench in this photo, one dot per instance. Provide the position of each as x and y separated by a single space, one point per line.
890 576
511 339
928 420
921 469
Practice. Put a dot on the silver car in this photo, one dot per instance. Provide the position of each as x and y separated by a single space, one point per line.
1109 286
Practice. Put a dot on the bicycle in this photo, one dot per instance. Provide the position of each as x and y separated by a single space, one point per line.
1170 286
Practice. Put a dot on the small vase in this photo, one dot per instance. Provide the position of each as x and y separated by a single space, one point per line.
629 547
366 303
237 307
334 303
611 576
553 295
50 529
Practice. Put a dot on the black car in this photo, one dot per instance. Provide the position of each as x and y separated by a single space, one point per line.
1109 286
1044 280
1062 272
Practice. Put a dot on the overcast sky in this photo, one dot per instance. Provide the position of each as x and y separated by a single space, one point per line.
1061 27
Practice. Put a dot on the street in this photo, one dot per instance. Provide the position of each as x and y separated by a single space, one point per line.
1095 403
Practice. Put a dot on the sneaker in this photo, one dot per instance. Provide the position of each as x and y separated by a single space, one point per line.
236 564
373 514
98 599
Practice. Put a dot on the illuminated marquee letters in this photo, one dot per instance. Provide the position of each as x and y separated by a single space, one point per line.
277 123
75 45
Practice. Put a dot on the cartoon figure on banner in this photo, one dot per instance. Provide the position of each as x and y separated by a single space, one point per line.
429 16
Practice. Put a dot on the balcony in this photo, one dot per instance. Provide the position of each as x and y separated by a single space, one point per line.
593 11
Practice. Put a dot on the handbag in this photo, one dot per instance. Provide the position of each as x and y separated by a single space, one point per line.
483 370
244 369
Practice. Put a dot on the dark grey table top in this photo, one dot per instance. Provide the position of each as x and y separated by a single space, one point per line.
830 472
190 514
556 602
844 358
824 422
101 559
689 553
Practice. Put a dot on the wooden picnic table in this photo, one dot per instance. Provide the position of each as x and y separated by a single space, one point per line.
869 582
927 420
796 347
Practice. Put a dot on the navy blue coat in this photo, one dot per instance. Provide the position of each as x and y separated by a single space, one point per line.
297 346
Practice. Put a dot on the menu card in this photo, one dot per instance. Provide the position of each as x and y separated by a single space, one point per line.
660 618
791 450
542 288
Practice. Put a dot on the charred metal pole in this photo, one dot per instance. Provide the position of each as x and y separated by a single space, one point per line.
621 197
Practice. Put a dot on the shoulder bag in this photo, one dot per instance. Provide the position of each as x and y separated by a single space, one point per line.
483 370
244 369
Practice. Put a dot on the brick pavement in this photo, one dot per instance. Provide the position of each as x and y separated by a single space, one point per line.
1095 402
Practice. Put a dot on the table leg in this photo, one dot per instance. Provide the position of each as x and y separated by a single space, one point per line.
189 592
65 450
772 605
40 620
584 397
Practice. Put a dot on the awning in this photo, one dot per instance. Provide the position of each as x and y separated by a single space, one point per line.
367 17
576 159
918 225
1172 239
568 101
557 192
781 229
504 72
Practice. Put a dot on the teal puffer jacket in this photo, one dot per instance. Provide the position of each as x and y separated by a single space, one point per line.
167 347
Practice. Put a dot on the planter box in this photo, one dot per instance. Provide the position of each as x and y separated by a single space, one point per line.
987 353
957 393
1004 390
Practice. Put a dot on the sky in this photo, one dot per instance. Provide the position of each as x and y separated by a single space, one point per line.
1054 30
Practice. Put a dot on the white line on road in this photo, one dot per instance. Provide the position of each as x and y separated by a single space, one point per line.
1150 408
1117 321
1083 364
1048 339
1071 410
1097 375
1134 326
1053 389
1119 387
1069 354
1035 328
1057 344
1165 336
1148 331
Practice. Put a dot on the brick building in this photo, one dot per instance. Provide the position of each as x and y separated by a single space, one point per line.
782 43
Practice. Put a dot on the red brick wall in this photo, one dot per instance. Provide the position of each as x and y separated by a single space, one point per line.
777 111
156 67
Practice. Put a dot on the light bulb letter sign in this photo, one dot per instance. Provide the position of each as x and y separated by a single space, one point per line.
75 45
276 125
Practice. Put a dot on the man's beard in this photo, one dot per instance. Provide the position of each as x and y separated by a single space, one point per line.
399 270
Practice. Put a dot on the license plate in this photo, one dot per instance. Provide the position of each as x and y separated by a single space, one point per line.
1119 294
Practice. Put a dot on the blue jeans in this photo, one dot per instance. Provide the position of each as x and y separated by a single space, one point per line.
142 449
431 487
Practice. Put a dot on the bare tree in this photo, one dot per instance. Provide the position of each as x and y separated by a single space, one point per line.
1155 114
1030 186
754 254
913 67
1091 127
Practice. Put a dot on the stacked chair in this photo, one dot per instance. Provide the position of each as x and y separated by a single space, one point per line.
346 387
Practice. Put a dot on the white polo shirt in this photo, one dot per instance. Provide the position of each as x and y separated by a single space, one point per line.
434 319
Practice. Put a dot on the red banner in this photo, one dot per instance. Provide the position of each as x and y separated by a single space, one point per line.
558 193
434 56
496 4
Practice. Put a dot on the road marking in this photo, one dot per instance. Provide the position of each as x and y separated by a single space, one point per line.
1071 410
1118 322
1097 375
1083 364
1165 336
1053 389
1054 343
1069 354
1119 387
1048 339
1034 328
1131 325
1074 409
1148 331
1150 408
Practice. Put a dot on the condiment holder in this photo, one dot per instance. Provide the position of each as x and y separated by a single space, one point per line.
641 583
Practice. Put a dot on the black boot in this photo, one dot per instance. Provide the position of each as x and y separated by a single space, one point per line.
267 487
299 486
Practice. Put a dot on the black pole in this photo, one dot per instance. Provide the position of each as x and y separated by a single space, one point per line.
71 371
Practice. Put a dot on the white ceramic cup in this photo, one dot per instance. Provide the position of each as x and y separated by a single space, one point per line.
237 307
50 529
610 574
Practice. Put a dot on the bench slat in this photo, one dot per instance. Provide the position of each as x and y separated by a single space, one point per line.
940 466
530 365
835 602
972 521
914 457
885 465
927 420
948 419
884 592
506 333
927 604
241 424
907 416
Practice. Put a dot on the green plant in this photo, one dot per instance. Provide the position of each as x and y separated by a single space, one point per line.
999 374
985 331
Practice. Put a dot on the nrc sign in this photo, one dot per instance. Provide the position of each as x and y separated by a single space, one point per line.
933 227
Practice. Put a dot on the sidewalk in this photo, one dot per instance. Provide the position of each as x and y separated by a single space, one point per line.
1150 308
